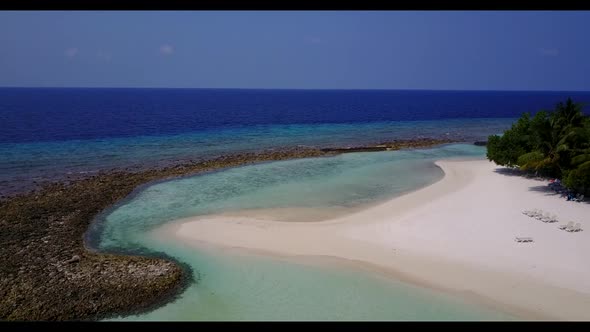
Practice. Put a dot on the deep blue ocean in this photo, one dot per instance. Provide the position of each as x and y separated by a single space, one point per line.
46 133
32 115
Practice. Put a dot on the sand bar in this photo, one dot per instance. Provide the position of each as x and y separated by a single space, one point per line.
455 235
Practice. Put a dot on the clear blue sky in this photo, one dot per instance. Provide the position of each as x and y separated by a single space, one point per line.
306 50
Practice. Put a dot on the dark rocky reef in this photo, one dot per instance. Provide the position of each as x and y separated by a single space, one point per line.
481 143
48 273
392 145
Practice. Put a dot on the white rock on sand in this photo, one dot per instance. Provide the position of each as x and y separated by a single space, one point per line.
456 235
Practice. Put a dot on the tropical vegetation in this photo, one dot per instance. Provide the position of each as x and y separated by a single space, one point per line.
553 143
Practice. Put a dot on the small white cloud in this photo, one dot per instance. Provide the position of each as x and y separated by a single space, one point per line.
105 56
549 51
71 52
315 40
166 49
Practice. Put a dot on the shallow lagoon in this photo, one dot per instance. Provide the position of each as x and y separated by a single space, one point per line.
237 286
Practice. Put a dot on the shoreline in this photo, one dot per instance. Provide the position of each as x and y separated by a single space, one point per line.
50 269
396 238
376 271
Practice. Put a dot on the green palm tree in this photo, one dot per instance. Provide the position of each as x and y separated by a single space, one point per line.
556 137
569 115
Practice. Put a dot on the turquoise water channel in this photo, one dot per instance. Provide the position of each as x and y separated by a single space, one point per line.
237 286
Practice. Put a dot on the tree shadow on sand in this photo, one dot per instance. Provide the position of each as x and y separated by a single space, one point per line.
516 172
541 188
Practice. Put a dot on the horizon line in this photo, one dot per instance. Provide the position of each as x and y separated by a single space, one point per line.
287 89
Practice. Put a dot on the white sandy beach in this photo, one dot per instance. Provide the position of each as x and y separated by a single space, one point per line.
456 235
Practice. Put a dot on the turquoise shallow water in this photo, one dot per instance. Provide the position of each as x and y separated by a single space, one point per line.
238 287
